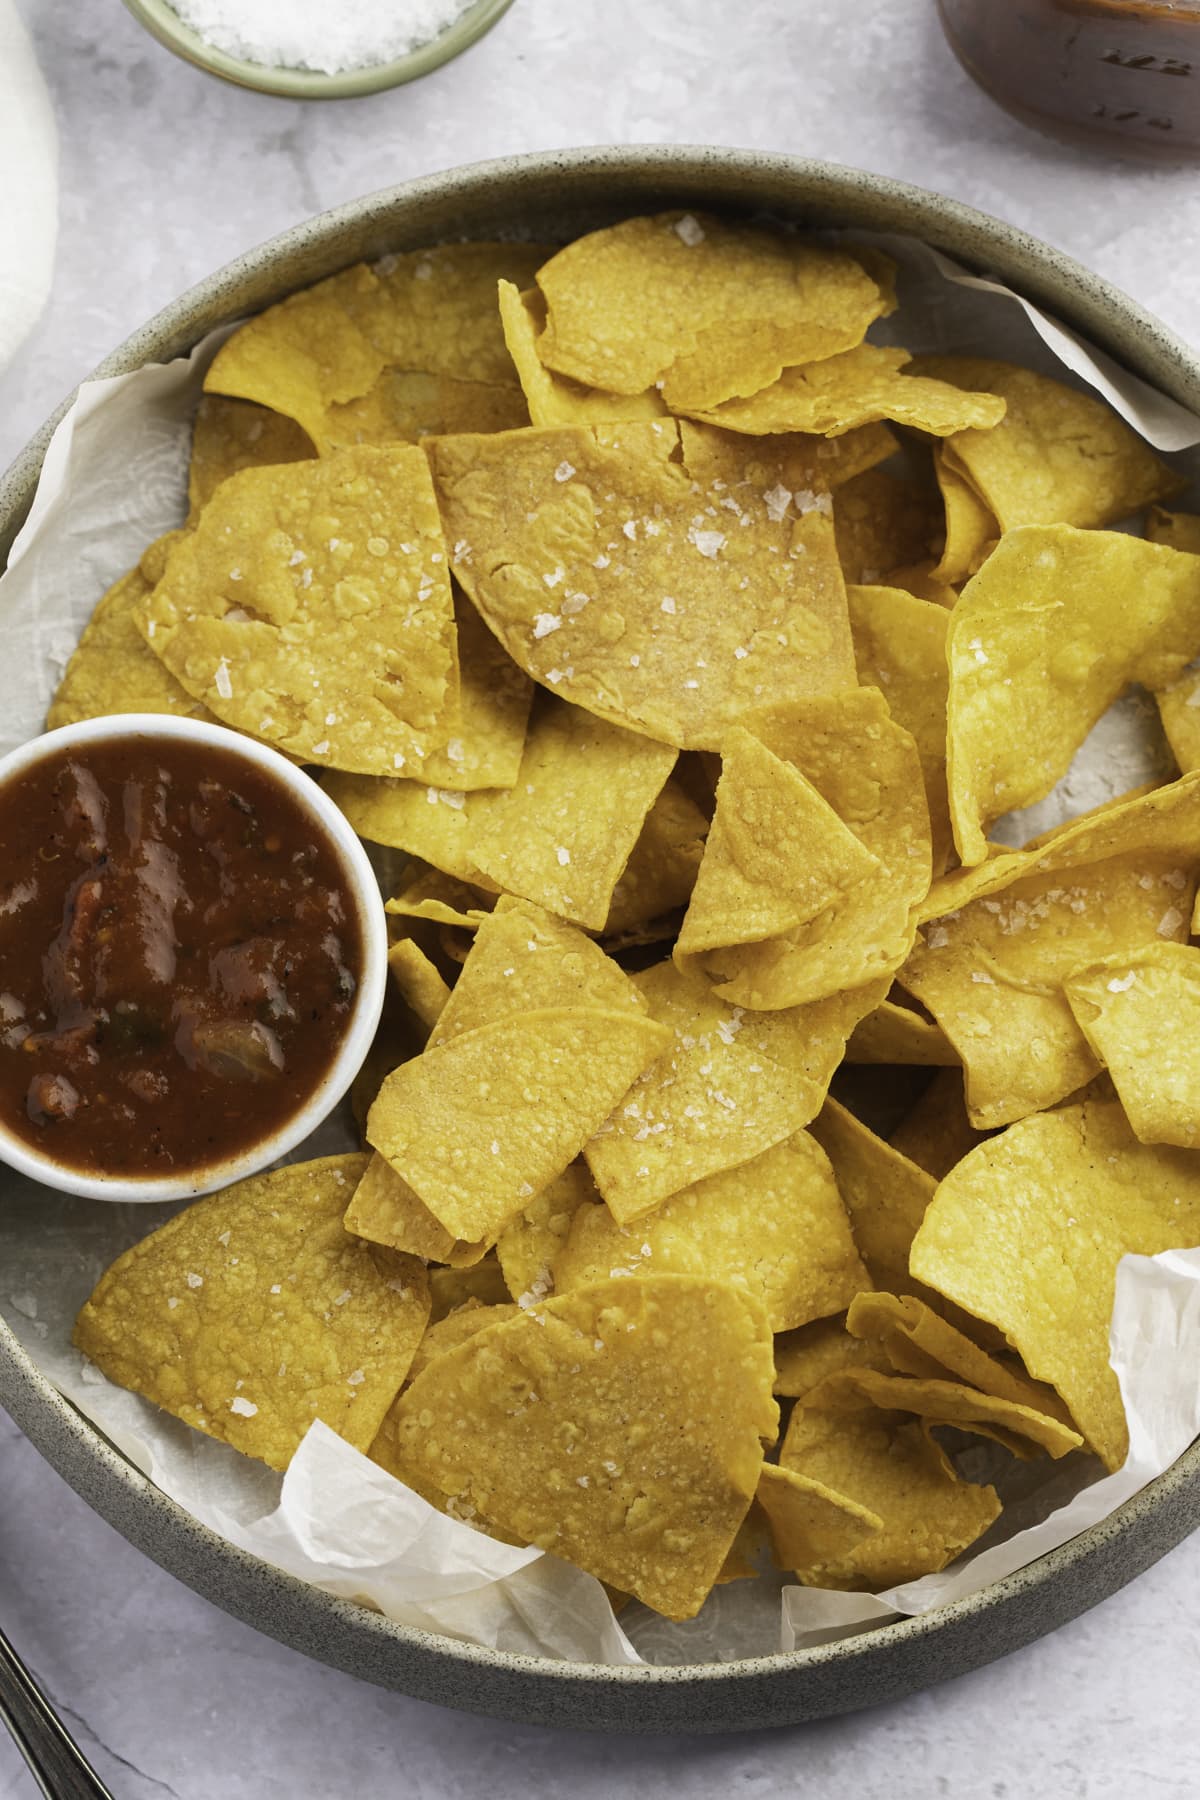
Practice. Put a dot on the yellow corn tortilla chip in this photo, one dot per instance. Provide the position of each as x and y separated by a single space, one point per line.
528 1427
712 1101
418 982
437 308
1021 1429
308 353
917 1341
431 895
1055 626
775 1227
1179 710
479 1125
664 596
1058 456
882 521
456 1328
868 769
431 822
811 1526
253 1312
482 1283
900 648
113 669
804 1358
528 1246
853 389
523 959
1178 529
556 399
777 856
885 1195
230 435
990 970
662 866
971 527
703 308
1028 1230
562 835
292 616
936 1133
896 1034
1141 1014
385 1210
404 406
887 1464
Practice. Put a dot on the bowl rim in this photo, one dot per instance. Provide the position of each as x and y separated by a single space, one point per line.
363 887
1021 1606
160 19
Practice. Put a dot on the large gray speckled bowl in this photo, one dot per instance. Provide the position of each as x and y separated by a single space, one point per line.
560 195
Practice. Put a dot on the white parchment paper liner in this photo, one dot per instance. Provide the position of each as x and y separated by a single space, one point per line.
114 479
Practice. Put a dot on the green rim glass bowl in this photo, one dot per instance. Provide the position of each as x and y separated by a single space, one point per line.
558 195
163 22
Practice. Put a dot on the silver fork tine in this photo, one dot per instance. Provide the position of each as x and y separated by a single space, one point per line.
55 1760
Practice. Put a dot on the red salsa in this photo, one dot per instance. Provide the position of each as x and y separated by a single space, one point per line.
179 956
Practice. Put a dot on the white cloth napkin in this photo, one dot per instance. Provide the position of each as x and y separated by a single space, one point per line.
29 183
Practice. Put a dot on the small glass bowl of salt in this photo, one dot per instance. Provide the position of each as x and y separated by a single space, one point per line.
318 49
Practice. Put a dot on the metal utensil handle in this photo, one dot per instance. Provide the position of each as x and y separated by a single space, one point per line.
55 1760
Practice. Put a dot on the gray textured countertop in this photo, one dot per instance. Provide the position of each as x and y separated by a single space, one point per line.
165 174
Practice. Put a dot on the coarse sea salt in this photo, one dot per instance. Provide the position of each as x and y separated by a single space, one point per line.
315 35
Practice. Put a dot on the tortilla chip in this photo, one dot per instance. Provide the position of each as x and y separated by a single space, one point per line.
385 1210
1028 1230
439 898
900 648
1054 627
971 527
811 1526
896 1034
527 1426
527 1248
437 308
308 353
556 399
703 308
113 669
990 969
1140 1015
881 521
937 1133
523 960
431 822
230 435
481 1284
252 1313
405 406
456 1328
418 982
1179 710
777 855
1023 1430
888 1465
290 615
805 1358
711 1103
884 1194
662 866
1058 456
917 1341
615 583
479 1125
563 834
868 770
855 388
774 1227
1178 529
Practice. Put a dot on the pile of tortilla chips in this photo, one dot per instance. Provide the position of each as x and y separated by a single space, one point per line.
687 645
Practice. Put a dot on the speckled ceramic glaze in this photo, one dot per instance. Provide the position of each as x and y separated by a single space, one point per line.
561 195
